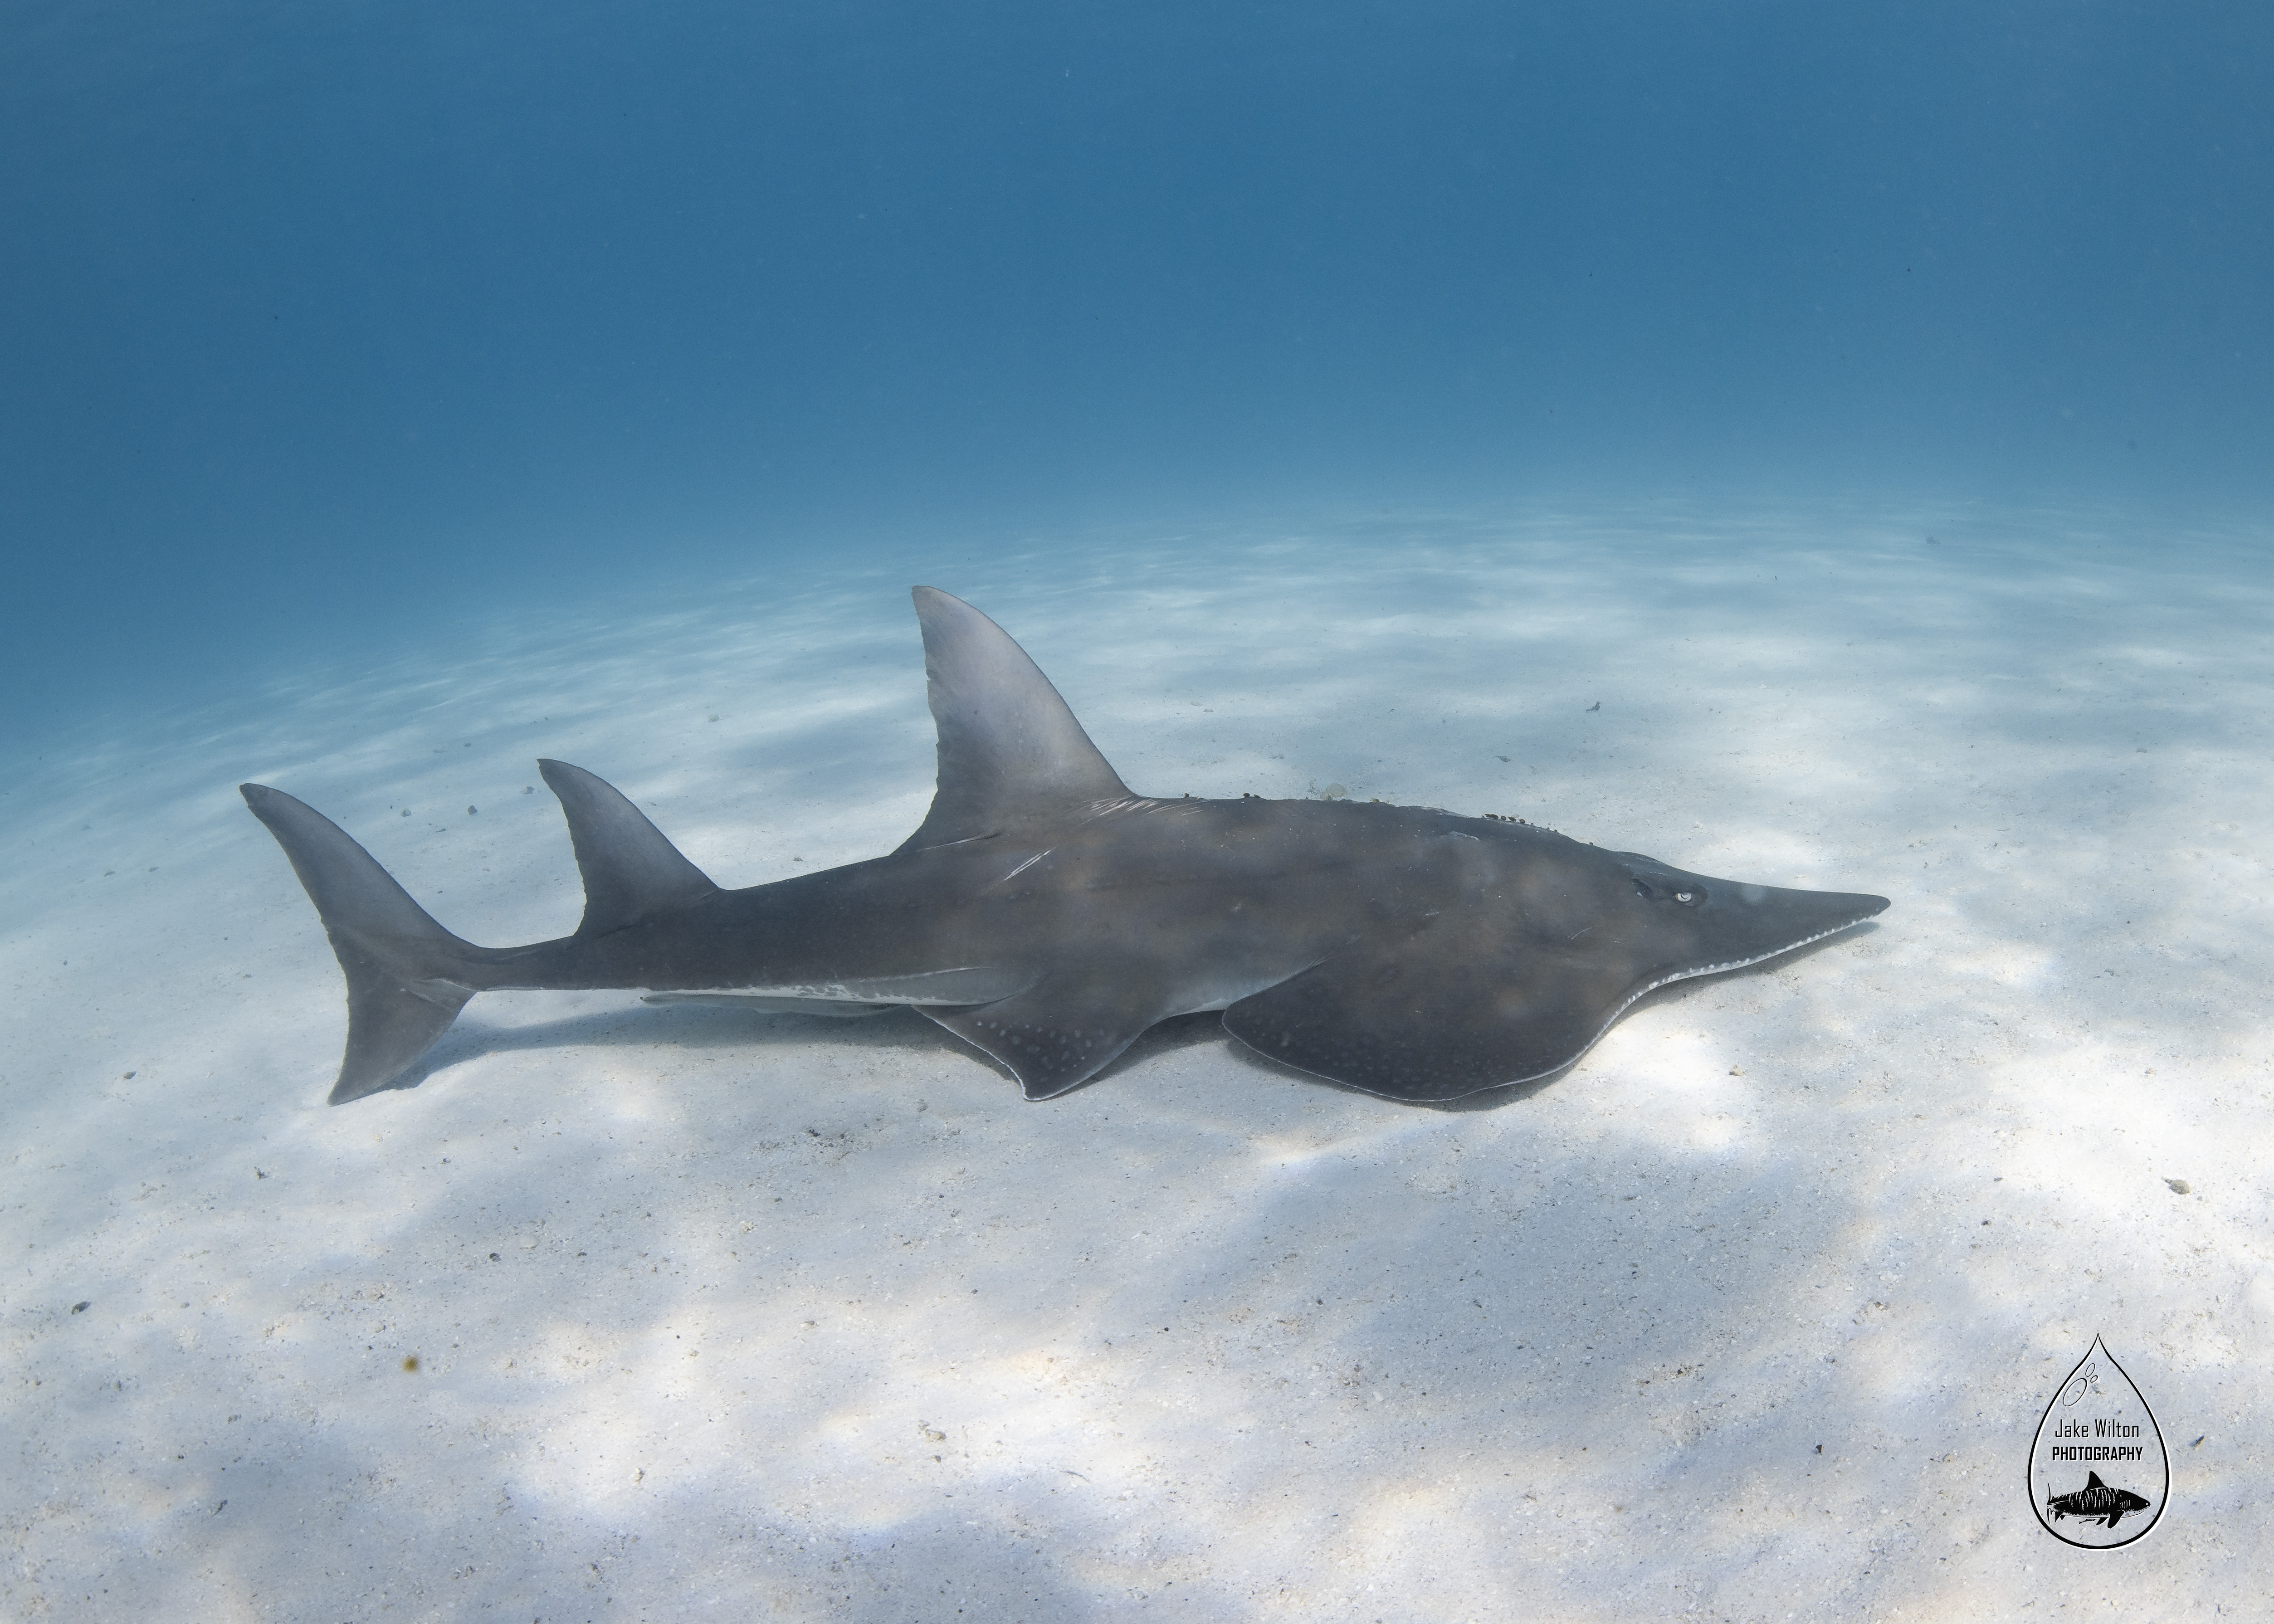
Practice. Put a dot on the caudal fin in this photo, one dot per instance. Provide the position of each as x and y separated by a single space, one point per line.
398 962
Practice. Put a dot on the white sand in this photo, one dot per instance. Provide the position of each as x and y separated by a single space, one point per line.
1751 1315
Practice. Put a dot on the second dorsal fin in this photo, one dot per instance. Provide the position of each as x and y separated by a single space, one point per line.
630 871
1009 752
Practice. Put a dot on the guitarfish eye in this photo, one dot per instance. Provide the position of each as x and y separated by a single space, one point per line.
1662 891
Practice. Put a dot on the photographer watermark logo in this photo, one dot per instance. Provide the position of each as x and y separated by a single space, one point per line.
2099 1477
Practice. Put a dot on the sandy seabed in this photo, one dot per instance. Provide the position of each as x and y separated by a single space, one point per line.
628 1312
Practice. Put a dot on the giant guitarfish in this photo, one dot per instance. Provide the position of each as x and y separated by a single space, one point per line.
1047 915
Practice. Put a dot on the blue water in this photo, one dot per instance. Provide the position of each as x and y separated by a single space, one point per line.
322 326
1826 445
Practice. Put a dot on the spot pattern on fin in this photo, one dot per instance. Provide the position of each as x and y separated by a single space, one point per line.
1057 1035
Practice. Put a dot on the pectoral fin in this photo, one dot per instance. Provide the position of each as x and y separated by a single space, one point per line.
1412 1023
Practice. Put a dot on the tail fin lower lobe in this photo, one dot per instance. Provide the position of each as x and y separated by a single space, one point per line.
398 962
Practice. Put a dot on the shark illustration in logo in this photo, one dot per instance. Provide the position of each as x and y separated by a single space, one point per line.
1047 915
2094 1500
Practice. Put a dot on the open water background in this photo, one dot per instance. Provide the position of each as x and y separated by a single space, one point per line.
327 330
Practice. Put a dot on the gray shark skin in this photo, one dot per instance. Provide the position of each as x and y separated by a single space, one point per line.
1045 914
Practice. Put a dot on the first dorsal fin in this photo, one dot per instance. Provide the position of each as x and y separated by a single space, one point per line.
630 871
1011 754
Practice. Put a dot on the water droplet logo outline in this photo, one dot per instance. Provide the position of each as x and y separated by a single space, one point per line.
2067 1493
